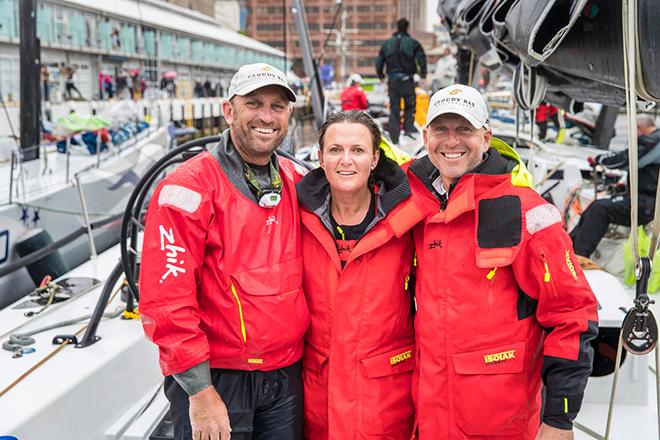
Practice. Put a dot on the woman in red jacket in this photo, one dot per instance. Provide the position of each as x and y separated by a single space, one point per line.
359 353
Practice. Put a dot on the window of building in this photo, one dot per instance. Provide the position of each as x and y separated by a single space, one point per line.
127 39
363 8
77 30
182 48
9 78
209 52
9 19
149 41
269 27
197 50
61 31
45 30
166 46
105 34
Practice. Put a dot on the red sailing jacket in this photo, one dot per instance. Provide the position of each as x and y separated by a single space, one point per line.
354 98
359 350
501 302
221 277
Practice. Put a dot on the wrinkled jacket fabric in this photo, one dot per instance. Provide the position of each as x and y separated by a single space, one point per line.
359 350
502 303
221 277
353 98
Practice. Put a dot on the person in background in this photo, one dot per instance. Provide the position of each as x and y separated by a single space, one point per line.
198 91
45 83
353 97
70 83
546 112
356 212
221 275
403 56
108 86
121 84
601 213
445 71
503 308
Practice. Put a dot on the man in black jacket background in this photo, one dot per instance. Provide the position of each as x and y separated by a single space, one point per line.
404 57
601 213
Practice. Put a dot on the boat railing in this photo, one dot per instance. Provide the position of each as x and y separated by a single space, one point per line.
17 188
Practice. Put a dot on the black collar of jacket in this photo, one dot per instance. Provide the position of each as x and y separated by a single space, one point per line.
231 163
650 140
314 190
492 163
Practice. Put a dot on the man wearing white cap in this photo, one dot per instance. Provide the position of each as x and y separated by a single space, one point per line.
503 308
221 275
353 97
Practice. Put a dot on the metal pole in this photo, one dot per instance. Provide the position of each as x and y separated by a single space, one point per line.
615 379
68 157
30 79
98 149
284 35
657 384
83 205
11 177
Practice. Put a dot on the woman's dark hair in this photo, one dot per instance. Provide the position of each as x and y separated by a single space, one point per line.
352 117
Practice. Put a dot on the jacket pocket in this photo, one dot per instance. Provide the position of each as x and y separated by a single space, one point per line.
263 297
490 390
386 405
395 361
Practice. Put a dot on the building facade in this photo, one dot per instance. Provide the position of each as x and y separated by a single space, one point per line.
416 13
100 39
348 42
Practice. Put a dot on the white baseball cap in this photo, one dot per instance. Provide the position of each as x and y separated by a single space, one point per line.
355 78
461 100
251 77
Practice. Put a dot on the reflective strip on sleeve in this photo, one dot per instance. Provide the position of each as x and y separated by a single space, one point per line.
179 197
541 217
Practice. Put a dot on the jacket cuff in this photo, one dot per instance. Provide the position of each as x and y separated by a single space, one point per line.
560 411
194 379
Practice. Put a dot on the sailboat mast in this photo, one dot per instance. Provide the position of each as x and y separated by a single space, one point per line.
311 69
30 80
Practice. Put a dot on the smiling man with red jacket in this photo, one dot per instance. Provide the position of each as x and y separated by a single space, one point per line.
503 306
221 276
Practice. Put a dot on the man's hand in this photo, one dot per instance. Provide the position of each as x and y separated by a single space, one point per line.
208 416
547 432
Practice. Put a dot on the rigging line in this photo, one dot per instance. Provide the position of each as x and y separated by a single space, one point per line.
11 126
61 211
52 353
629 15
334 27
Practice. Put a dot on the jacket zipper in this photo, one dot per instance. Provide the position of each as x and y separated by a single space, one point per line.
491 286
547 278
546 274
240 313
